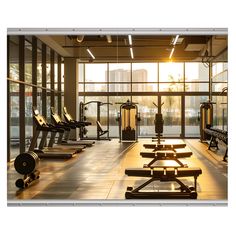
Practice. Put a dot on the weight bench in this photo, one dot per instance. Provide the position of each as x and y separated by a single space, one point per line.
165 155
100 129
163 175
156 147
220 135
177 153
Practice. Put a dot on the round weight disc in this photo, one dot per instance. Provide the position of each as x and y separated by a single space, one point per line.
26 163
20 183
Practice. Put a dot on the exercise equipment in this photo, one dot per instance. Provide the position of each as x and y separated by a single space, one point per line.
157 142
219 134
26 164
128 121
206 119
77 124
156 146
166 155
100 131
42 126
64 139
159 122
163 175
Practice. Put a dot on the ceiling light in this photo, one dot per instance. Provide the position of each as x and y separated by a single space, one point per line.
171 53
175 40
130 39
80 38
90 53
131 53
109 39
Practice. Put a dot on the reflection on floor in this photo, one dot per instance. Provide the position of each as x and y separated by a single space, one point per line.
98 173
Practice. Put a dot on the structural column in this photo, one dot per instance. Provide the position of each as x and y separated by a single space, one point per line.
71 90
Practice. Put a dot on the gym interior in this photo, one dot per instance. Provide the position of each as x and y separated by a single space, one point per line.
118 114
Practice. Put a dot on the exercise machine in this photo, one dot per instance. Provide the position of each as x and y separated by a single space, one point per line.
159 123
77 124
26 164
158 171
64 139
100 131
158 144
128 119
41 126
163 174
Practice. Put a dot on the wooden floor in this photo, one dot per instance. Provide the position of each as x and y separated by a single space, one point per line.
98 173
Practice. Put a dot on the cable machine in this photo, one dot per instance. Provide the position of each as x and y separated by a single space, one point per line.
128 121
100 130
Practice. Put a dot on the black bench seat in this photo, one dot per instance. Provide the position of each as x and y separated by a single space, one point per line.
163 172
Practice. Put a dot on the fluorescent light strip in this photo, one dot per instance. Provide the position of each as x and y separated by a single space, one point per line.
171 53
130 39
176 38
90 53
131 53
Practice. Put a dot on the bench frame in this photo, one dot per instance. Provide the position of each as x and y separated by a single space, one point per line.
185 192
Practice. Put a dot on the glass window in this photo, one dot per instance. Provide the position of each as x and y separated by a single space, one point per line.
95 72
81 88
81 72
220 112
116 87
192 115
147 113
171 72
28 116
196 87
144 72
113 113
171 112
48 67
14 120
14 57
56 102
39 63
171 87
55 71
144 87
217 87
28 60
218 67
94 87
62 75
48 99
39 100
120 72
219 72
195 72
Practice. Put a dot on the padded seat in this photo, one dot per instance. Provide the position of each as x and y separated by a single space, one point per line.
164 146
166 153
164 172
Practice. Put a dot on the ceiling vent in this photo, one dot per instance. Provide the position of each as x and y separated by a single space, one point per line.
195 44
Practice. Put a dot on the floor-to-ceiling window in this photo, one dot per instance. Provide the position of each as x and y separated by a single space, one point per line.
219 86
26 88
14 116
181 86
